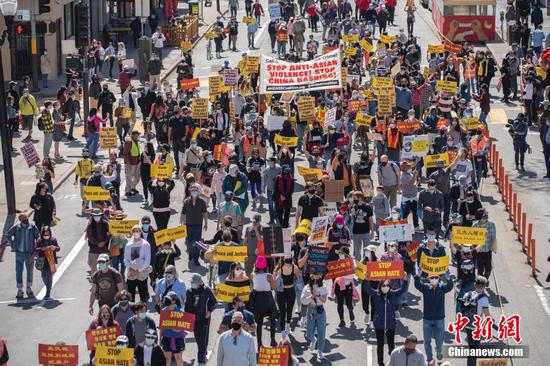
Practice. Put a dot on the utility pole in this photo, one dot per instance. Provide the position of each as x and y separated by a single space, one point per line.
34 48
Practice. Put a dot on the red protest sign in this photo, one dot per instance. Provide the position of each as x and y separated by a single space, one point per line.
412 248
275 356
102 337
393 222
354 105
49 354
384 270
177 320
452 48
340 268
189 84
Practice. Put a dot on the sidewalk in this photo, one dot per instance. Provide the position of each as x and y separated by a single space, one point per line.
25 179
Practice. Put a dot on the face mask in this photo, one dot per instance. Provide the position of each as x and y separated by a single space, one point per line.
385 289
311 191
384 163
169 276
145 227
105 317
466 250
97 218
288 261
350 200
142 315
392 249
46 237
194 194
392 125
339 226
431 189
102 266
394 216
469 200
121 345
193 146
331 132
239 272
161 184
434 281
227 198
431 237
236 326
149 341
194 286
136 235
124 303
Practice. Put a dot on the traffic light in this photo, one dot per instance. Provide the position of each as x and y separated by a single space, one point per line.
82 27
44 6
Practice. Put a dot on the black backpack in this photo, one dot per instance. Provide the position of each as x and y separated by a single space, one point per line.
40 124
91 126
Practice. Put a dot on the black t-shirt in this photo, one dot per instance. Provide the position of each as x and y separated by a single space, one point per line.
362 169
466 266
179 127
255 173
310 206
360 217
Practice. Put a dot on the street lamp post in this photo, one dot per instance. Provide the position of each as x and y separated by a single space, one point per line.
8 9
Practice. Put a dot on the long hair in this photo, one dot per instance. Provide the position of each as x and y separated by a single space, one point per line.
111 322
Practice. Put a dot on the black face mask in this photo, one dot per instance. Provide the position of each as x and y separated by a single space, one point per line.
288 261
236 326
312 191
239 308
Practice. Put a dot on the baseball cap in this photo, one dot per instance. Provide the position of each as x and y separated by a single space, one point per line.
339 219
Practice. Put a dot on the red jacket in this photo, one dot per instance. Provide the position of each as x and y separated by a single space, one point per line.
391 3
128 158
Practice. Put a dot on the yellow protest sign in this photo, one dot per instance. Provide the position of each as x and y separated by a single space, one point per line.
196 132
431 160
344 76
494 362
252 64
122 227
286 141
420 145
108 138
232 110
384 38
185 45
127 113
541 72
304 227
436 48
306 108
199 108
96 194
108 356
360 270
210 35
303 171
249 20
378 82
365 45
350 52
385 101
446 86
426 72
215 85
166 235
471 123
347 38
434 265
162 171
362 119
226 253
465 235
226 293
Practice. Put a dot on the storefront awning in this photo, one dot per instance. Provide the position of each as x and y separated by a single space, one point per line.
469 2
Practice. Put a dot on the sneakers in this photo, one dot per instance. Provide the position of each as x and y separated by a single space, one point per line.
367 319
302 323
29 292
313 344
342 324
397 315
439 357
351 316
287 328
298 310
19 294
371 325
320 355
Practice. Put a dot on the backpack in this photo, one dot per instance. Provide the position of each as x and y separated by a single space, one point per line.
40 123
91 125
469 306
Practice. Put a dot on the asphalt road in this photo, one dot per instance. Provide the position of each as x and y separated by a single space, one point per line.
27 323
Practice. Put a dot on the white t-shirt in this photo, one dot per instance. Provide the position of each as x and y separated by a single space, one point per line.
482 303
463 168
158 40
147 355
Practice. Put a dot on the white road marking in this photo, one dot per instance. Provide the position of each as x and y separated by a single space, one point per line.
543 299
369 355
32 301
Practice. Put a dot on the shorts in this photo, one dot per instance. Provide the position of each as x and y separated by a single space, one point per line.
27 122
180 345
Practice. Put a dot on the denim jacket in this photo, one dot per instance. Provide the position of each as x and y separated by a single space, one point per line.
22 239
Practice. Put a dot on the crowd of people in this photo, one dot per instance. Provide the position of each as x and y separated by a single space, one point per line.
230 165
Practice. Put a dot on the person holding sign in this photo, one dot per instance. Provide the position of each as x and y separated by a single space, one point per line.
485 251
236 346
429 247
261 301
172 341
195 217
45 247
170 283
282 195
149 353
104 320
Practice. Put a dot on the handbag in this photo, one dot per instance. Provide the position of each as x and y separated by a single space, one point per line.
39 263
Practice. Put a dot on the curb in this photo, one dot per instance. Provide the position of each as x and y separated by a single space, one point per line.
58 182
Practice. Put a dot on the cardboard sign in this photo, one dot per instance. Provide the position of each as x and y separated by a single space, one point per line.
274 123
166 235
273 356
30 154
101 337
190 84
399 232
224 253
199 108
304 227
163 171
185 45
339 268
388 39
252 64
286 141
395 69
304 171
350 52
176 320
226 293
317 258
412 249
306 108
108 138
249 20
379 82
232 110
354 105
465 235
385 101
431 160
126 113
344 77
330 116
493 362
362 119
211 35
49 354
282 37
436 48
367 187
445 86
434 265
122 227
214 85
230 77
319 226
129 62
347 38
96 194
380 271
415 146
334 191
108 356
375 136
366 46
360 270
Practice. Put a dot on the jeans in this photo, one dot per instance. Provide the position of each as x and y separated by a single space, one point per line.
410 26
316 323
233 11
464 288
255 188
118 263
300 129
92 142
45 81
484 264
433 329
546 151
483 117
403 299
48 280
360 241
250 36
194 233
519 153
281 49
391 193
270 205
158 51
48 138
23 260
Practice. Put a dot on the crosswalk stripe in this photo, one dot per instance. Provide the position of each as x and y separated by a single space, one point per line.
498 116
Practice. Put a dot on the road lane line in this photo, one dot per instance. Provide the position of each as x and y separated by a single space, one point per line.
369 355
543 299
32 301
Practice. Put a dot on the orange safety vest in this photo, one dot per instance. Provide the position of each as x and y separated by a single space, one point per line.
470 72
478 145
248 142
393 141
2 346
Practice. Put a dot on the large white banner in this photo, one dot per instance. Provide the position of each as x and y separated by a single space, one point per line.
325 72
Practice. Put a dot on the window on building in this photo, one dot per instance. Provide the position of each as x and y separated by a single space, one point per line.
68 15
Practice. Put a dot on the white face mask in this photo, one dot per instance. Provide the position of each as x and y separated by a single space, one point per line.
392 249
136 235
149 341
339 226
385 289
392 125
239 272
193 146
434 281
46 237
97 218
161 183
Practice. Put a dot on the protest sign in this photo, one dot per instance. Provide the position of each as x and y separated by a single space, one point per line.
30 154
49 354
398 232
347 38
274 10
366 46
384 38
248 20
226 253
452 48
190 84
414 146
465 235
318 232
330 210
344 78
360 270
214 85
286 141
431 160
435 48
380 271
166 235
324 72
210 35
303 171
408 127
446 86
381 82
101 337
252 63
129 62
274 244
350 52
354 105
108 138
362 119
385 101
317 258
226 293
306 108
176 320
109 356
375 136
303 228
471 123
286 98
367 187
199 108
339 268
122 227
96 194
330 116
127 113
334 190
273 356
434 265
395 69
186 45
230 77
412 249
494 362
232 110
161 171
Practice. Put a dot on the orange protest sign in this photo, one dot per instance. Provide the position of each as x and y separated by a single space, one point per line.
177 320
49 354
189 84
384 270
274 356
102 337
412 248
339 268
